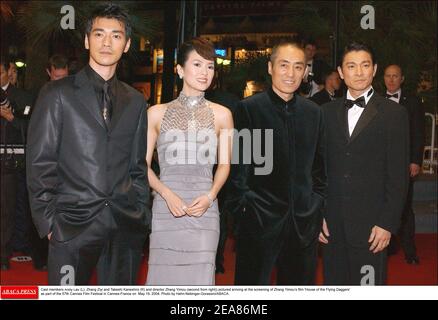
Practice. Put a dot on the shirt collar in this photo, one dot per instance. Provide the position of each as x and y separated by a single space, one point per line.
365 95
279 102
98 81
5 87
397 92
330 94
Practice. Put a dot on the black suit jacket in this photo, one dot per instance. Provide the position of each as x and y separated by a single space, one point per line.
318 68
292 194
76 167
416 126
321 97
367 172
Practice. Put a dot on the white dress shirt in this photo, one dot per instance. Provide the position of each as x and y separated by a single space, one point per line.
5 87
309 67
395 99
314 86
355 112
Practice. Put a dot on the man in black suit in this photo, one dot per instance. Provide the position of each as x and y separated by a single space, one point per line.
13 74
367 165
277 203
57 67
86 164
332 83
394 78
312 81
14 114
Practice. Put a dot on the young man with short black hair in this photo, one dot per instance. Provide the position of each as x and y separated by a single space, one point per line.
87 178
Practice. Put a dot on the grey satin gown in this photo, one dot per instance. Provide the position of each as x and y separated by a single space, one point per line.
183 250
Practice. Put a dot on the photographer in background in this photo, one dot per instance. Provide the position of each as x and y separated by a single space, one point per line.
13 74
14 114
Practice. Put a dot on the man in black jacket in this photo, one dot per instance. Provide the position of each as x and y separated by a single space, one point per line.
277 204
312 81
394 78
332 83
367 165
14 114
57 68
86 164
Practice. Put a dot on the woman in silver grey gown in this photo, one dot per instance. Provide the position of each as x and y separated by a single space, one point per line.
190 134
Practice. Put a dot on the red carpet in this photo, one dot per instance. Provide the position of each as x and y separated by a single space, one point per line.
399 273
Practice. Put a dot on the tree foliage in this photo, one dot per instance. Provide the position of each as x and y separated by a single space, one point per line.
41 23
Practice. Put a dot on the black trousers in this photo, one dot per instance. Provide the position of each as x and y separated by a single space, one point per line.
23 219
257 254
348 265
223 227
406 233
39 248
7 206
25 237
114 252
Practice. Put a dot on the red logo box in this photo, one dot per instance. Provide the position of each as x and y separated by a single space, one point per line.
19 292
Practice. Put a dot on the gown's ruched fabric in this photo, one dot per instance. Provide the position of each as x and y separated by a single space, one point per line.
183 250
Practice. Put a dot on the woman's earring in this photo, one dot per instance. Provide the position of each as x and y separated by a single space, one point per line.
180 76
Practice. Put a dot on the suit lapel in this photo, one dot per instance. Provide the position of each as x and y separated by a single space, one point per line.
84 91
342 118
121 104
367 115
327 95
403 98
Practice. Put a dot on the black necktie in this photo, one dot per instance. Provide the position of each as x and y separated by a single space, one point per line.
359 101
106 105
395 95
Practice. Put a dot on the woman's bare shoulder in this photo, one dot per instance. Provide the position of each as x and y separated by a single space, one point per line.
220 110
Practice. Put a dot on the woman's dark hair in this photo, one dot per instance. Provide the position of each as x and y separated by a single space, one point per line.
110 11
203 47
